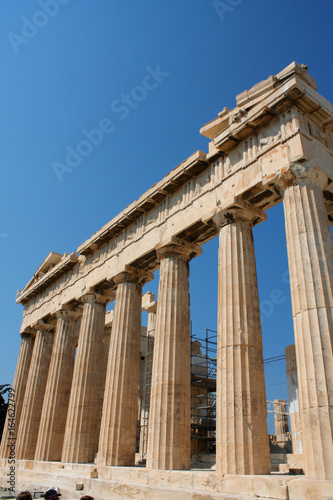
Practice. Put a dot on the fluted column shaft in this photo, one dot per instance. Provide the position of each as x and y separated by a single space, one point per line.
280 417
34 395
310 257
81 434
54 413
19 386
117 442
241 430
169 434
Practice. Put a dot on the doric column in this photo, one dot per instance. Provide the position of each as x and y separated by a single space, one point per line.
282 435
281 417
54 413
117 440
310 257
19 385
292 383
34 393
81 434
169 435
241 430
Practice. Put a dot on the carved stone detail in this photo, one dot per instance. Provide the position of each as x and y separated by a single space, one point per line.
239 211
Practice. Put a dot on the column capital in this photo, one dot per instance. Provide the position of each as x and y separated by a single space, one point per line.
92 296
301 173
176 246
68 313
43 326
133 275
239 211
28 333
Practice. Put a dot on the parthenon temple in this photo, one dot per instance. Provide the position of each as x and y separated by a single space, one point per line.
77 377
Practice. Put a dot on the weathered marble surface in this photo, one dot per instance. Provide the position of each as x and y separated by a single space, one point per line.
275 145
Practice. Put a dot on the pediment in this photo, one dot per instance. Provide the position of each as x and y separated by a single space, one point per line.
49 263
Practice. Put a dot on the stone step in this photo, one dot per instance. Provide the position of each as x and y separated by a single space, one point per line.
120 490
123 483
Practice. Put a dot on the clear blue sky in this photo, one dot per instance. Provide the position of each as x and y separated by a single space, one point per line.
72 71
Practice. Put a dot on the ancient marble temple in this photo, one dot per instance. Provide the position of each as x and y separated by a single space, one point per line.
275 146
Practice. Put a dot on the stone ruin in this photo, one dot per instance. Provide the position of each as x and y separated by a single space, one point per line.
76 383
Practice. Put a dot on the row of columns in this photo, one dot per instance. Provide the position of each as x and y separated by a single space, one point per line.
57 388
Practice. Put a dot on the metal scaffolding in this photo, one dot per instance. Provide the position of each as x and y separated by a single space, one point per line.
203 392
146 396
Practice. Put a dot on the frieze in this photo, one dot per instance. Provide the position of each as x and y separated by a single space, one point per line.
216 172
330 141
227 165
250 148
163 209
318 133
